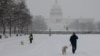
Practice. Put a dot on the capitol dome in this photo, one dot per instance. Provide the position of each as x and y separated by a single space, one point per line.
56 11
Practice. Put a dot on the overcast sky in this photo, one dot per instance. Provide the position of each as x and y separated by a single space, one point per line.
72 8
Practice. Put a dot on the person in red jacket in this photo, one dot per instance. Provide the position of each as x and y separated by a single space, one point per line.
73 40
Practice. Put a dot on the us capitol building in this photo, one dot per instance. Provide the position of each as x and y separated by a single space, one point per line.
56 22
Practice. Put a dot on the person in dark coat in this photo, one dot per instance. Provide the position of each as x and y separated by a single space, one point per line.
31 38
73 40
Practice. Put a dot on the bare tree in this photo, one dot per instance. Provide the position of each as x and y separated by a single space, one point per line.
98 26
23 16
39 24
5 7
14 15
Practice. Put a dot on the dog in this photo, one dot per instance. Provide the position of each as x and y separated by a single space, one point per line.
64 48
22 42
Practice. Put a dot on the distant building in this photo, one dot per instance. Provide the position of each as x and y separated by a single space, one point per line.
56 21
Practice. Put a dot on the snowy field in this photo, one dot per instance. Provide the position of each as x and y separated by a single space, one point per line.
43 45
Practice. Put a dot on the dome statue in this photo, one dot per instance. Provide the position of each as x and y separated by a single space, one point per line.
56 11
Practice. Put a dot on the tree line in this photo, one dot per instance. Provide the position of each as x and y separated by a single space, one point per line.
85 25
14 16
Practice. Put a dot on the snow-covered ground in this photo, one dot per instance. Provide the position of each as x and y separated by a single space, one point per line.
43 45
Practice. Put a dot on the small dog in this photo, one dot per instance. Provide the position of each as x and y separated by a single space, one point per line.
64 49
22 42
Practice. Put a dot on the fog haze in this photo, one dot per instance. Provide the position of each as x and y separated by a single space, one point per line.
72 8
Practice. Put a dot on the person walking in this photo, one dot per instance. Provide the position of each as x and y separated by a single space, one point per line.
31 38
73 40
